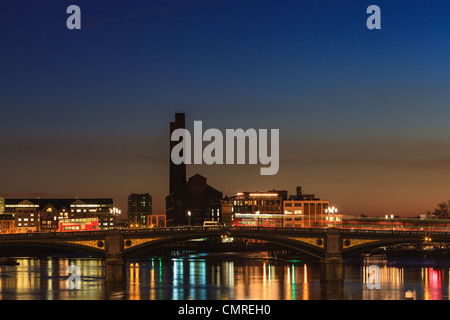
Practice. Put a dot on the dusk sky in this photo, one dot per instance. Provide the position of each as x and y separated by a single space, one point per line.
363 114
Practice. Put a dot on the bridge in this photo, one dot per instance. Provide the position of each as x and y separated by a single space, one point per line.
330 245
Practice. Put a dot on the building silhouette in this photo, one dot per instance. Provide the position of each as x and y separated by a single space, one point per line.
192 201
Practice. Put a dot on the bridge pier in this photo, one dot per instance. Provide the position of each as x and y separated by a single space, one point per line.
331 278
332 267
115 267
115 277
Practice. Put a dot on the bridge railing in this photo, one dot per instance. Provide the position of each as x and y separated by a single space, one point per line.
51 234
215 229
280 229
393 232
220 228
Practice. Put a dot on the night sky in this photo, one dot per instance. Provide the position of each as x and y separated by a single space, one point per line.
363 114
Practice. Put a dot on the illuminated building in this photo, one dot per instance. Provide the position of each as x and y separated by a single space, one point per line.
94 208
258 208
25 212
305 210
227 211
43 214
139 209
2 205
7 223
275 209
49 216
156 220
305 213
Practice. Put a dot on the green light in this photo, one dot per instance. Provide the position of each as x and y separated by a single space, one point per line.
293 283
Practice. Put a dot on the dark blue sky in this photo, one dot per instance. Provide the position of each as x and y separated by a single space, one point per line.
363 114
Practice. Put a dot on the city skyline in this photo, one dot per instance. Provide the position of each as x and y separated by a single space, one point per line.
362 113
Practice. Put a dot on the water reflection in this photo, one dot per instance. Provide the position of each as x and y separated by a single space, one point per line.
240 279
398 280
211 279
233 276
47 279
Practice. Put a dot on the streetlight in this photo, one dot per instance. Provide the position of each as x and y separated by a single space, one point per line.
330 212
115 212
257 217
284 218
390 217
189 215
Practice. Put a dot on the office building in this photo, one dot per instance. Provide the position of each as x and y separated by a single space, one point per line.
276 209
258 208
227 211
139 209
32 215
7 223
306 210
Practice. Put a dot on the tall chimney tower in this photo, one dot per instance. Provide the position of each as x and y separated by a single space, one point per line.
177 173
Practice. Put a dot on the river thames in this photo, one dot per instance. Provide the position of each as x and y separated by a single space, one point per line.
225 276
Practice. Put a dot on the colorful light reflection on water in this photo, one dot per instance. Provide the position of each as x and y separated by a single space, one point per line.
214 277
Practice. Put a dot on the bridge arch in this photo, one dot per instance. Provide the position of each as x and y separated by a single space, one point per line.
370 244
22 246
311 246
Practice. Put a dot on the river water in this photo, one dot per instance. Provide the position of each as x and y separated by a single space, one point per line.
230 276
